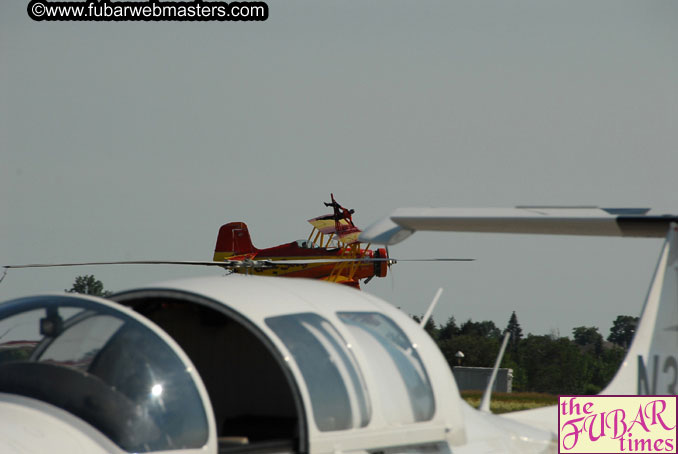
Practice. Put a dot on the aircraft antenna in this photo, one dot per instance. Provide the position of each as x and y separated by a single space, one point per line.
431 306
485 402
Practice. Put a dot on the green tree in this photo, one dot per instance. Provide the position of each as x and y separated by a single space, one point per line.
89 285
486 328
554 365
449 329
516 331
478 351
549 363
605 367
589 338
623 329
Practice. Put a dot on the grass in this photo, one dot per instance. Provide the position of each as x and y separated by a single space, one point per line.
506 402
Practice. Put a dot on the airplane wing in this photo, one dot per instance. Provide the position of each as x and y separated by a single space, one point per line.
326 224
630 222
345 231
543 418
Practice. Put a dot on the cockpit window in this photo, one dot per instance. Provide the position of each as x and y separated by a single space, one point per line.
406 391
305 244
79 345
336 387
104 367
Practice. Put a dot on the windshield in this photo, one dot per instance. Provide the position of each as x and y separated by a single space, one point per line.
104 367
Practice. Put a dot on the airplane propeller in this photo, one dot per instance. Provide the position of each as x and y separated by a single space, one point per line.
390 271
237 264
233 265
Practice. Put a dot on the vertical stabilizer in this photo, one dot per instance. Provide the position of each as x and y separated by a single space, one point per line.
233 239
651 364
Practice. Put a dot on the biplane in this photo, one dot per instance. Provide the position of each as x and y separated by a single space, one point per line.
332 252
333 236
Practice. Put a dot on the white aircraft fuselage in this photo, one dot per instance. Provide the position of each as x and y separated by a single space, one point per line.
260 364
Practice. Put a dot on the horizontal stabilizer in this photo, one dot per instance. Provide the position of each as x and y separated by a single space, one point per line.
593 221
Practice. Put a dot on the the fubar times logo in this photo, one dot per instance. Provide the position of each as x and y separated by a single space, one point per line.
617 424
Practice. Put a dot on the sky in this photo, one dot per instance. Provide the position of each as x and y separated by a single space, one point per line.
123 141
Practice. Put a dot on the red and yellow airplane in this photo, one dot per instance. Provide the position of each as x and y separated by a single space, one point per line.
332 251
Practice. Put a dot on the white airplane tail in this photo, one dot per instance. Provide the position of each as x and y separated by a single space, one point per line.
650 366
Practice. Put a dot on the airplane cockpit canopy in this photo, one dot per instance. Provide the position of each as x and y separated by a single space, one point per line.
105 367
243 364
294 363
305 244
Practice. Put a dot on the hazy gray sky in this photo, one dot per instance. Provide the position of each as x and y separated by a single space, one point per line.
138 140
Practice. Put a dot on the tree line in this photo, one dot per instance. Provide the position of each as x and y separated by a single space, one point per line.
552 364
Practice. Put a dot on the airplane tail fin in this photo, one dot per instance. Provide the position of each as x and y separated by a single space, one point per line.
233 239
651 364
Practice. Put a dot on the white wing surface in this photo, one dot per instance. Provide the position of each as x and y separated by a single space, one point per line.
593 221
